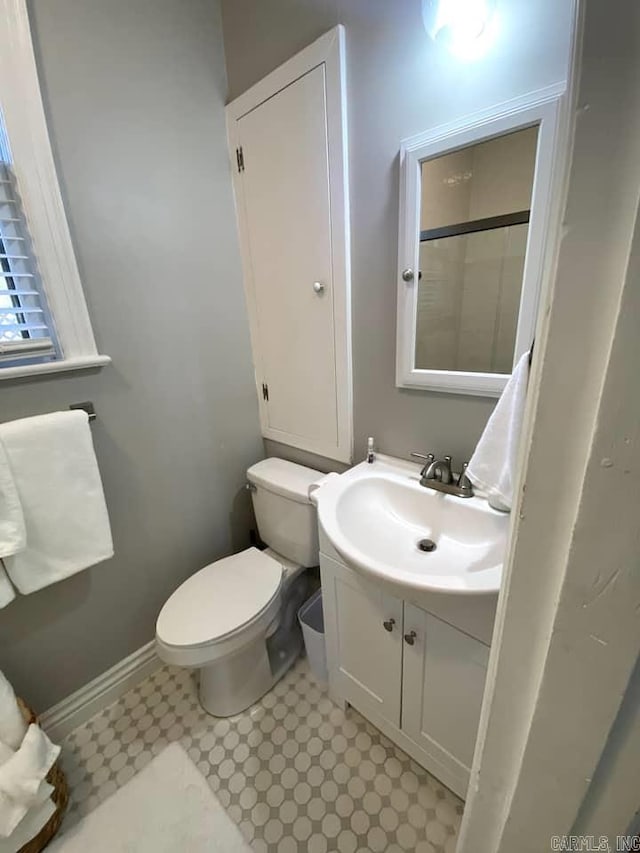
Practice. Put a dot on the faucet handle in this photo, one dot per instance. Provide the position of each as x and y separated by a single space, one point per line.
463 480
427 458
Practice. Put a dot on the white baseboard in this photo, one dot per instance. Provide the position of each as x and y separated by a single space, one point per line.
98 694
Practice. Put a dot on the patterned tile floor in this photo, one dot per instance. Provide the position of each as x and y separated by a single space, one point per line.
294 771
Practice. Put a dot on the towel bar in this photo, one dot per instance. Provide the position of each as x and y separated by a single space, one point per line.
87 407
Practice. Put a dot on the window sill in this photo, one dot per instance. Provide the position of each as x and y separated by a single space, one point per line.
62 366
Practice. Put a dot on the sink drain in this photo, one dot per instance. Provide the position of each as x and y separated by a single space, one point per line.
427 545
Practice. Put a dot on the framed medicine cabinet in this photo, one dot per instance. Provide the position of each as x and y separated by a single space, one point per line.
475 200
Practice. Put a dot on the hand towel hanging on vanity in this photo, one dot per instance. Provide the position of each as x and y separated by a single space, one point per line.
56 475
493 465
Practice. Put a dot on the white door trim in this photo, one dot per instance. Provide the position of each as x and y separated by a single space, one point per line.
567 630
328 50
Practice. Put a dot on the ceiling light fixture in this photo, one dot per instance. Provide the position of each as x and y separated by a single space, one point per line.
464 26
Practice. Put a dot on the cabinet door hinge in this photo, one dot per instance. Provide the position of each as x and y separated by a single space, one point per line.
265 392
240 158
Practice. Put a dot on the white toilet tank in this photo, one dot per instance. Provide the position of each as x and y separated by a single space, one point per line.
286 517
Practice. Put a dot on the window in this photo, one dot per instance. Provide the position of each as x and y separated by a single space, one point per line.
44 323
26 329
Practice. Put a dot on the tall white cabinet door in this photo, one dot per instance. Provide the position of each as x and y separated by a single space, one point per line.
285 188
443 685
364 642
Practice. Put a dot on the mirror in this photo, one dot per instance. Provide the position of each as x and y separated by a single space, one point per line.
474 222
470 251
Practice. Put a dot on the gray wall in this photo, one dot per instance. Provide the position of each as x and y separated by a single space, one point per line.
398 85
134 91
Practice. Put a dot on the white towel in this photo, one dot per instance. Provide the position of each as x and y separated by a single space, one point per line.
7 592
14 814
22 775
493 464
13 537
23 778
58 481
31 823
12 725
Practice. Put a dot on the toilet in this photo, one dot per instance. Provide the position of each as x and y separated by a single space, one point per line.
235 620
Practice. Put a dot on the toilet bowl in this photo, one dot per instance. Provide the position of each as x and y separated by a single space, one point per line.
235 619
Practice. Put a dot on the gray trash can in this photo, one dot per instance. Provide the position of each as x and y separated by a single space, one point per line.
311 620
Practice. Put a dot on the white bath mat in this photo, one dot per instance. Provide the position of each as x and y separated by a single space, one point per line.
167 807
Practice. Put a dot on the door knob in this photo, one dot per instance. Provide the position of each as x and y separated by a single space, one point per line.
410 638
318 287
408 274
388 624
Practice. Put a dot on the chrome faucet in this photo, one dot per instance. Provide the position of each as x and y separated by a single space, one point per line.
437 474
440 470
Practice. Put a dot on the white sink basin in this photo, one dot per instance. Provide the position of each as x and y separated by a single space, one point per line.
376 515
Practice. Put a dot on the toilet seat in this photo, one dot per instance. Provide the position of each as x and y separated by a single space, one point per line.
220 609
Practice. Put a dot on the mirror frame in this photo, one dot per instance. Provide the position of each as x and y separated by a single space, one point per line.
541 108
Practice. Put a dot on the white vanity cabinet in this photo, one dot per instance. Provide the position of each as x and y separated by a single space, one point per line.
418 678
443 676
363 626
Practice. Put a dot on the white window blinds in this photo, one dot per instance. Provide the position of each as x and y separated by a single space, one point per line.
26 330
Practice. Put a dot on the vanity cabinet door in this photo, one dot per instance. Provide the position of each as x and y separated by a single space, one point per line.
364 642
443 685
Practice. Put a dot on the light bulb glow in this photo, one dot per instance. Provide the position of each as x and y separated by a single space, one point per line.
466 27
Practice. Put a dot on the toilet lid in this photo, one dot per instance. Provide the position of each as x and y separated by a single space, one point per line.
220 599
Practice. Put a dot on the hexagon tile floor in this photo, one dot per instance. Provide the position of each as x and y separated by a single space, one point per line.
294 771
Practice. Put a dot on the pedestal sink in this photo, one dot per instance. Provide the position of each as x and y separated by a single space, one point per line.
384 523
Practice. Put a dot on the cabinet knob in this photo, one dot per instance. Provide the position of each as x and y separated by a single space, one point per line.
318 287
388 624
408 274
410 638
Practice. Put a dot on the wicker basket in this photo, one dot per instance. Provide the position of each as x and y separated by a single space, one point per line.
60 797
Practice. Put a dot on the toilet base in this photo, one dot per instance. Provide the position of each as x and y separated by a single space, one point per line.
233 684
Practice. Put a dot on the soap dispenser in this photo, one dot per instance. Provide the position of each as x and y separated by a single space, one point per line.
371 455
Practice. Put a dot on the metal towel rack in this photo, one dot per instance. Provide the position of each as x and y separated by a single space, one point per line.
87 407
